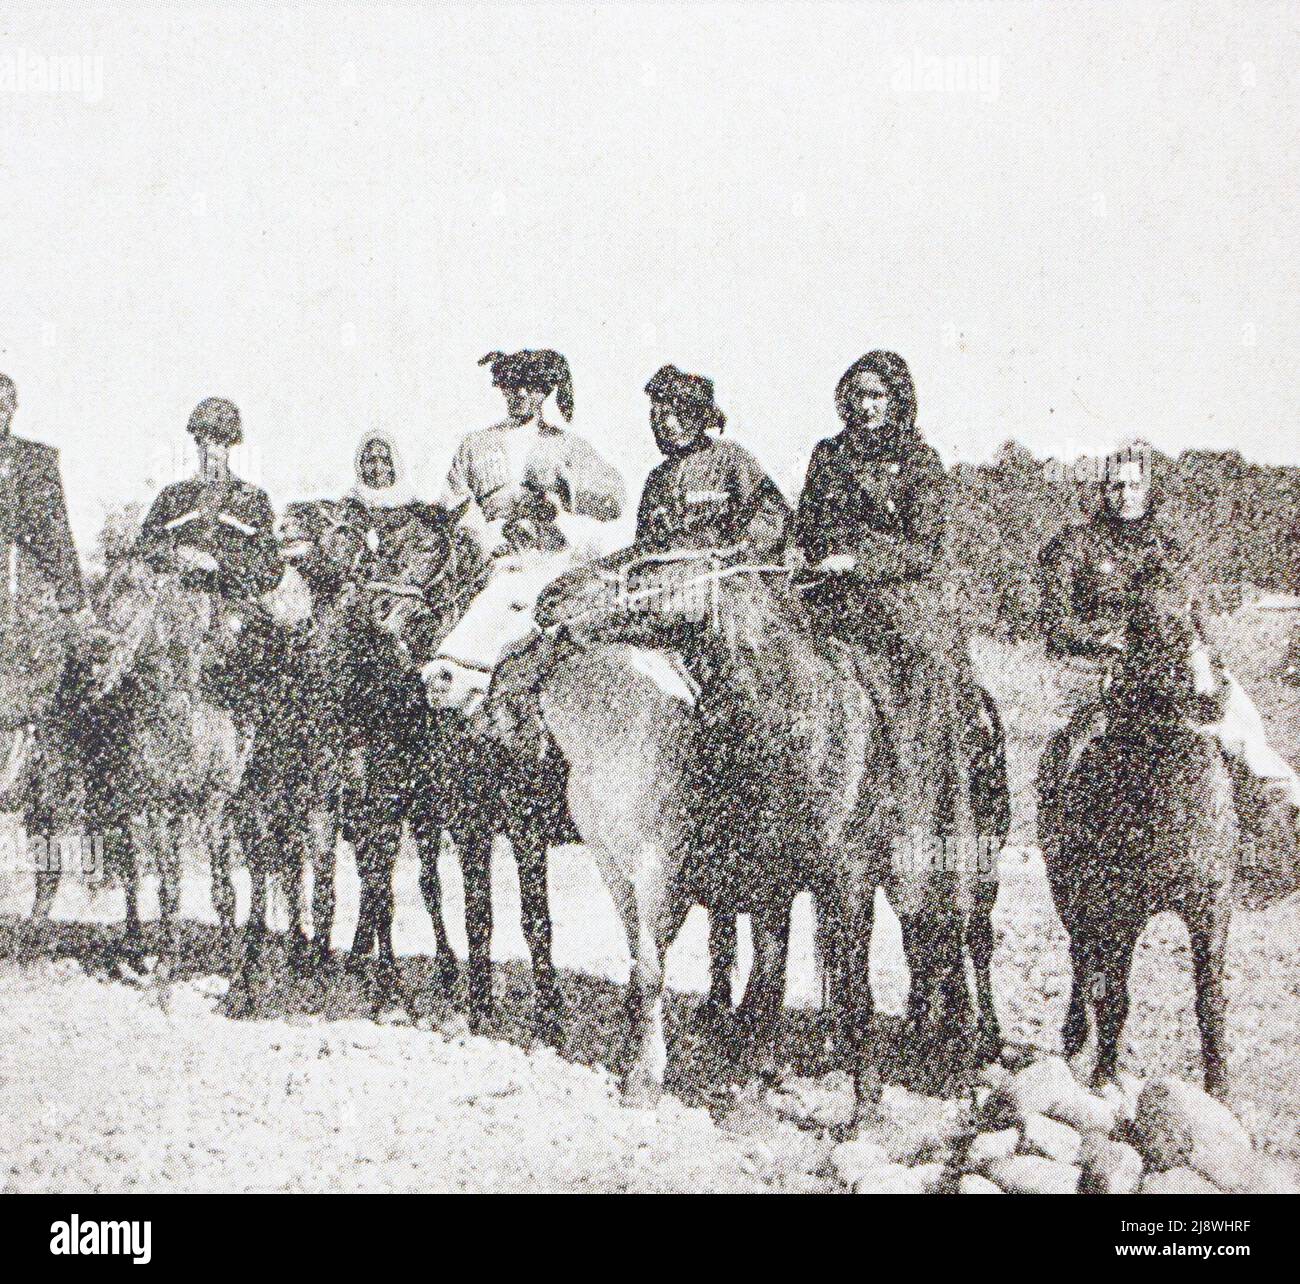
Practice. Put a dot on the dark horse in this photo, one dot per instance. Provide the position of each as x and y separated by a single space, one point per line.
1148 824
276 665
461 781
157 756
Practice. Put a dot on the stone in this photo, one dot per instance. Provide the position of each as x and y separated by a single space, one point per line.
974 1184
1178 1181
853 1161
1180 1125
1125 1107
985 1147
1109 1167
1050 1138
1042 1085
1085 1111
931 1176
1034 1175
892 1179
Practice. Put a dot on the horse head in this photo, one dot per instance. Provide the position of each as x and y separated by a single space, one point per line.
1165 672
500 616
415 586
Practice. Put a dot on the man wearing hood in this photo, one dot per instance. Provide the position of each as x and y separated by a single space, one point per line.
1087 574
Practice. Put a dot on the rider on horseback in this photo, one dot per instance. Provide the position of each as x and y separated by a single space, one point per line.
214 528
872 519
707 493
1089 573
527 477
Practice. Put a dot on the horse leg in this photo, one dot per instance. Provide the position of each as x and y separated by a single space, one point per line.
979 945
1110 998
476 867
714 1012
1074 1033
129 865
377 857
427 833
855 920
760 1010
217 836
363 939
248 975
170 828
321 841
644 1081
295 871
1209 939
530 856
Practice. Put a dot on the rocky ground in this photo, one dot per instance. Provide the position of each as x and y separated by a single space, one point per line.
110 1085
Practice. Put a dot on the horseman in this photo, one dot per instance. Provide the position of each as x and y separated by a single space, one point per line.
527 479
707 492
382 501
37 541
871 520
43 613
215 529
1088 576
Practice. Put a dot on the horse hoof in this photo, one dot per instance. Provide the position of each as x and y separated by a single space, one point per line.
479 1021
713 1017
548 1023
448 976
640 1092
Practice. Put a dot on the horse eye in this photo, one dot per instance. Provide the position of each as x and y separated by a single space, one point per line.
519 606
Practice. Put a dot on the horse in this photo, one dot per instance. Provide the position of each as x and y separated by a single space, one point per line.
467 783
156 755
1148 824
391 743
806 735
274 664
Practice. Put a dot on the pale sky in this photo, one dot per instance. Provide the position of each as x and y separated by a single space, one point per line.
1076 222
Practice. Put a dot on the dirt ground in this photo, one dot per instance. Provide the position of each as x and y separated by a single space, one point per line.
108 1085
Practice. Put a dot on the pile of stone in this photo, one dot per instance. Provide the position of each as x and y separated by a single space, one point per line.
1038 1130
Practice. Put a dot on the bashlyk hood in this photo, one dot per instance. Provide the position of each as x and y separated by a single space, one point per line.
395 495
899 431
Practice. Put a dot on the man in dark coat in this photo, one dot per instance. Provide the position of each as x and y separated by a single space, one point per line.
43 608
708 492
1087 575
35 537
215 529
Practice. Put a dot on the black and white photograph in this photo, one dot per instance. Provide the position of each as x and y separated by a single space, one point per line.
656 598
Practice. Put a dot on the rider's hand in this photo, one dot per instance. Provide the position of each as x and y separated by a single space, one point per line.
838 564
1112 642
195 559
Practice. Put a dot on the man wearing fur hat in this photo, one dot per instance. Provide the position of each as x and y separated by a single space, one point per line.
528 478
708 492
216 529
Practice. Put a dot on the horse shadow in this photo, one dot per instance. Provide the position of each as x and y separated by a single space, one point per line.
706 1065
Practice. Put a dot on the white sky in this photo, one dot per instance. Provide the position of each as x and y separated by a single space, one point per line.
328 216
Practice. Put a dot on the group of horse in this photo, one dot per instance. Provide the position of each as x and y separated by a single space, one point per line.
724 755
